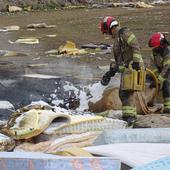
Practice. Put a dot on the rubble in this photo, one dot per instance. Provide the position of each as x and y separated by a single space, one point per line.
133 5
152 121
66 131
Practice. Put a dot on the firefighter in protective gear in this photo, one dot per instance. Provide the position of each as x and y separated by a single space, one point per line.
160 65
126 50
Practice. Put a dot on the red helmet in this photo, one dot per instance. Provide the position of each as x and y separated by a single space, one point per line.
156 40
107 23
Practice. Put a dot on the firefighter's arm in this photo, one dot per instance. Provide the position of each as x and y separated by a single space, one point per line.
107 76
131 40
152 66
165 70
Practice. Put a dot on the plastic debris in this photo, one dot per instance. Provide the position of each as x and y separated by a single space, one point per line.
133 154
163 163
74 151
31 123
40 25
9 28
94 46
141 135
70 49
60 143
133 5
5 53
5 104
41 76
51 35
38 65
14 8
84 123
25 41
6 143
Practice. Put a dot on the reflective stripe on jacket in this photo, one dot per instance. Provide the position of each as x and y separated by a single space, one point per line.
129 51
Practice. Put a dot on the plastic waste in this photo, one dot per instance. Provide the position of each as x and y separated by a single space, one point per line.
147 135
159 164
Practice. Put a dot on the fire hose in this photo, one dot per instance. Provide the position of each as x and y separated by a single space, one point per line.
145 108
152 74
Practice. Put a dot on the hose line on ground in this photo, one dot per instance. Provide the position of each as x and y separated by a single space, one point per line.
152 74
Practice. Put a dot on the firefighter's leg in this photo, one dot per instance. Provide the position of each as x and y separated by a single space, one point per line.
128 107
166 96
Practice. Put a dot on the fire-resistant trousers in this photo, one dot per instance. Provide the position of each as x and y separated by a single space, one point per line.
128 103
166 95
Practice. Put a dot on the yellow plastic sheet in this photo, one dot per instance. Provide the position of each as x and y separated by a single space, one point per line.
74 151
70 49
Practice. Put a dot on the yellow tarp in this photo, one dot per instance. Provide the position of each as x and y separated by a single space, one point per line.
70 49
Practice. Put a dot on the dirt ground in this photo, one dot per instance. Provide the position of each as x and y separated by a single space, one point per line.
78 25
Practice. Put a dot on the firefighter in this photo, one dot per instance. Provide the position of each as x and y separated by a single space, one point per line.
126 50
160 65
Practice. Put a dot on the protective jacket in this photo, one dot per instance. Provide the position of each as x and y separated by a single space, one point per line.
160 65
160 62
126 47
126 50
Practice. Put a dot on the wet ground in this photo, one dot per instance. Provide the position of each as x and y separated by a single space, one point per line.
78 25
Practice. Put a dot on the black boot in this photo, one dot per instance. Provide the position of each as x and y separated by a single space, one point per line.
129 119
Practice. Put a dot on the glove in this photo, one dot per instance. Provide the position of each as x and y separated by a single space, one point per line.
107 76
106 79
136 66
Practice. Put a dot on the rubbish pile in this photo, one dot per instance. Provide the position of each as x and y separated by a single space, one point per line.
42 128
49 130
11 7
53 130
133 5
